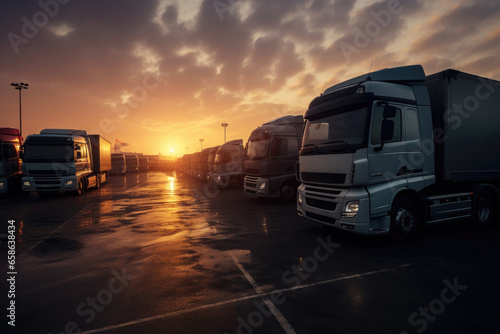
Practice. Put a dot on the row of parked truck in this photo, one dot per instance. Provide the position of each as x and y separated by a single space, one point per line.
63 160
383 153
122 163
265 166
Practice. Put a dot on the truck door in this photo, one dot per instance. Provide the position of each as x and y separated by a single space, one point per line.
387 164
414 156
81 157
282 158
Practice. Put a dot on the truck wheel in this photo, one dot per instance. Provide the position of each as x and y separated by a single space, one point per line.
404 219
79 189
224 181
288 192
484 208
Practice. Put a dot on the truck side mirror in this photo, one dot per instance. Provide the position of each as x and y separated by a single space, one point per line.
386 133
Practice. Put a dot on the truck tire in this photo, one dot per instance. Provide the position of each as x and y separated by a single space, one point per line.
79 188
484 208
224 181
404 219
288 192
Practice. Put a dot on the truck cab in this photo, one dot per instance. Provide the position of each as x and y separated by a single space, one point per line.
118 164
143 163
204 164
132 163
65 160
270 157
10 163
379 156
229 164
211 163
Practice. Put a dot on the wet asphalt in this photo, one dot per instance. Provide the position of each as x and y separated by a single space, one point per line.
158 253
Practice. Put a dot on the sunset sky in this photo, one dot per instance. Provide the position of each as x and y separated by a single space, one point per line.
162 74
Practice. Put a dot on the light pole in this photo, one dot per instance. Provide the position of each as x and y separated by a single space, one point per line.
224 125
20 87
201 143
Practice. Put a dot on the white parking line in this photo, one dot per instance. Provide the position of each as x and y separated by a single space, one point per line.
236 300
274 310
170 314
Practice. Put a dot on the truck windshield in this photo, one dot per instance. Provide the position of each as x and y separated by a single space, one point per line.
257 149
222 157
346 129
52 153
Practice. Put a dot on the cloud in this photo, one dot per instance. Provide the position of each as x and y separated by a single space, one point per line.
261 59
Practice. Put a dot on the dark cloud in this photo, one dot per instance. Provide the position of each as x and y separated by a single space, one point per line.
451 30
489 66
260 59
374 27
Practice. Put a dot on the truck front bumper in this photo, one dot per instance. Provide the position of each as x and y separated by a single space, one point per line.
223 180
65 183
259 186
335 207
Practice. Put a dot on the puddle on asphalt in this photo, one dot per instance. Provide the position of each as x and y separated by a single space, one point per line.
50 246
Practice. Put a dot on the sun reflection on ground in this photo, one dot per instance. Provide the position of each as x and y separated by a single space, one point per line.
171 186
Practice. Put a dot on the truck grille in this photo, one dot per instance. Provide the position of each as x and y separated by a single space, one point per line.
316 203
251 184
252 171
322 203
47 172
332 178
47 182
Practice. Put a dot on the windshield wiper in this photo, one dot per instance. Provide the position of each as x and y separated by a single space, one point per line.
345 147
309 149
335 142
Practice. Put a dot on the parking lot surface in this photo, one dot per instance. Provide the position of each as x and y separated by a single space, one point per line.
156 253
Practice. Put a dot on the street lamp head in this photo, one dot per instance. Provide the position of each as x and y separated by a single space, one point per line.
20 86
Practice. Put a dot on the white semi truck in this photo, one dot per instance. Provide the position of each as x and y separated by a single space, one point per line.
10 160
229 164
271 154
132 162
118 164
65 160
390 151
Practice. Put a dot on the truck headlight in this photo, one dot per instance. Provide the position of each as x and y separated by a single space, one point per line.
351 209
2 185
262 185
27 184
299 198
68 183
